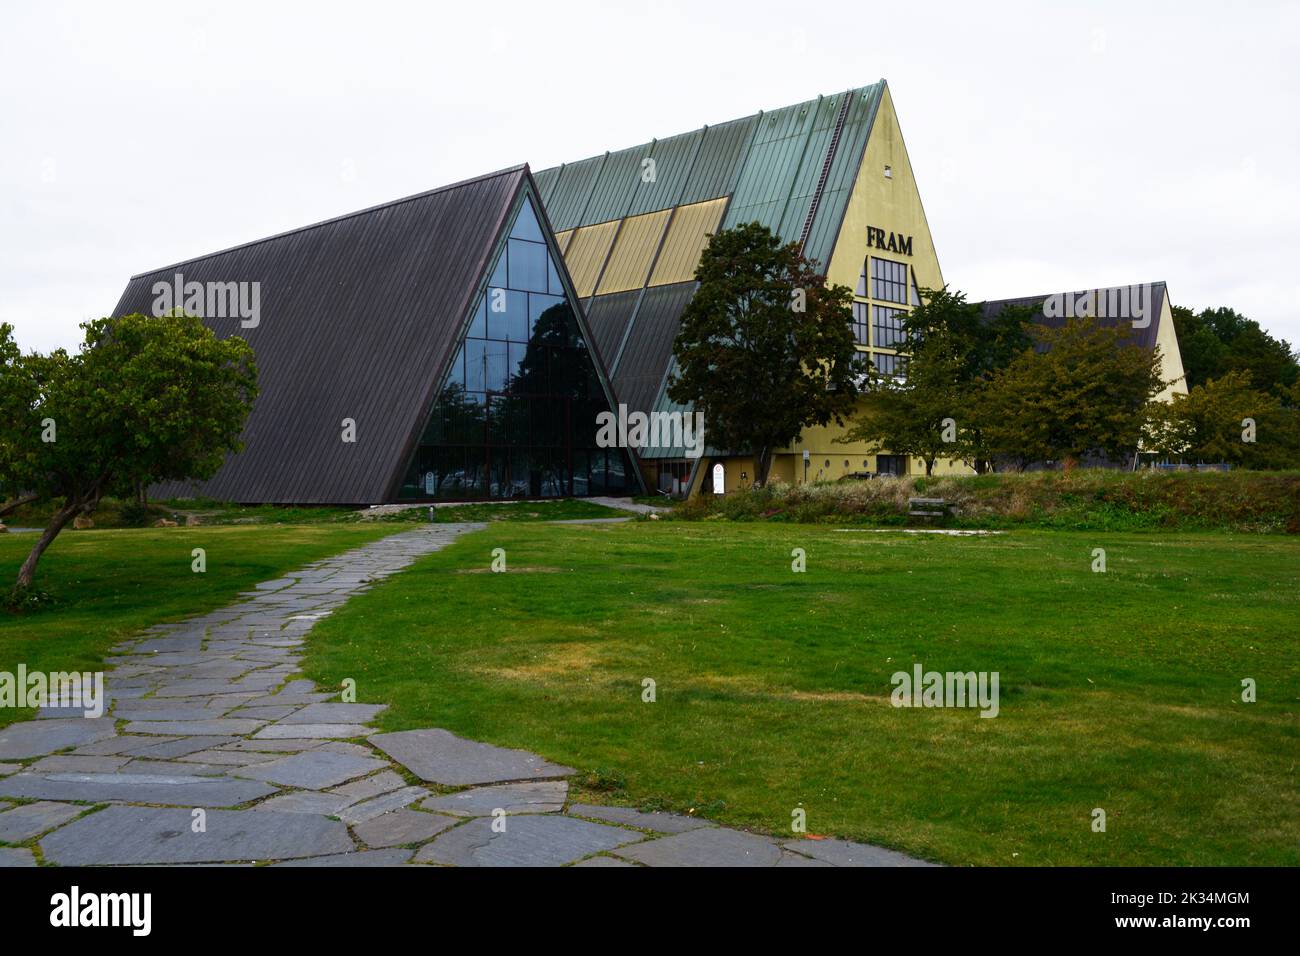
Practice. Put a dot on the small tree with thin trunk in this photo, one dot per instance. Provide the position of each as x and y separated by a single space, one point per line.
145 400
765 347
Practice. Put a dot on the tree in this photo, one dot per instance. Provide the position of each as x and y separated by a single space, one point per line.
145 400
1214 342
17 419
1083 391
1226 419
949 349
765 346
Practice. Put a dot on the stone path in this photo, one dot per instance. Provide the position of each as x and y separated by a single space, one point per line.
212 753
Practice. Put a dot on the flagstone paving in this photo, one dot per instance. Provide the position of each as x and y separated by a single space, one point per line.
212 752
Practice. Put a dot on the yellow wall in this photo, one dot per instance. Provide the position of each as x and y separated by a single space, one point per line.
1171 359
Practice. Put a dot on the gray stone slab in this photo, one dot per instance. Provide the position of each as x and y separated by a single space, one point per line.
270 746
26 821
626 816
72 763
371 786
177 747
11 856
604 861
178 791
174 768
794 859
392 857
401 827
227 758
384 803
8 768
227 726
335 714
277 712
541 796
847 853
306 801
441 757
530 840
310 731
202 712
36 738
709 846
313 770
118 745
149 835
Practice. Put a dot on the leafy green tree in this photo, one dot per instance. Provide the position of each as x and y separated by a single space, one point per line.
145 400
914 416
1082 392
950 349
17 418
765 347
1213 342
1210 423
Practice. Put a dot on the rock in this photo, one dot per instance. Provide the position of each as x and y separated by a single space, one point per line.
708 846
401 827
625 816
544 796
148 835
439 756
532 840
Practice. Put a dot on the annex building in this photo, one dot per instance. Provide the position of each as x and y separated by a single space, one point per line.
462 343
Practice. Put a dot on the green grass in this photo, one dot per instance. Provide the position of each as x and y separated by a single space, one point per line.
106 585
564 509
1118 690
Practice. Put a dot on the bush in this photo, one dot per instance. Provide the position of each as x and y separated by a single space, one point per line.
1080 500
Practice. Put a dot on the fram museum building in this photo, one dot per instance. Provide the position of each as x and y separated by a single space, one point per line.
466 342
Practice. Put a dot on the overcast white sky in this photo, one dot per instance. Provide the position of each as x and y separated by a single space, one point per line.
1057 146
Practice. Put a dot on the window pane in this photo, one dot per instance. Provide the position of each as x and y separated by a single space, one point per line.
527 261
495 376
478 326
526 226
475 369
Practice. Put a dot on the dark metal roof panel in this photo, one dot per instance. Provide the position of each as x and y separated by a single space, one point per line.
649 348
619 177
357 315
546 181
844 172
718 164
673 159
1122 310
571 192
608 317
771 166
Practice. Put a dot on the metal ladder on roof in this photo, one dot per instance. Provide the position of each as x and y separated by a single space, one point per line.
831 147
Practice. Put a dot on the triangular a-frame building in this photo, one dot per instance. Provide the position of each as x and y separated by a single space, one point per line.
429 348
831 173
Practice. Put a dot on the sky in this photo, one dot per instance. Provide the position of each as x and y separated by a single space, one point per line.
1057 146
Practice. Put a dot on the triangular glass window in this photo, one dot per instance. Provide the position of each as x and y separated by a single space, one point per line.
516 414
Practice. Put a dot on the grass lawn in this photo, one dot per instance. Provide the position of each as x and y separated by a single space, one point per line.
109 584
1119 690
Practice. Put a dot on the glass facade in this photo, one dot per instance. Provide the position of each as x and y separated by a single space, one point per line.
516 415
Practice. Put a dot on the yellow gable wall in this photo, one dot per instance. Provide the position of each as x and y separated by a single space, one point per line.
894 205
1171 359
